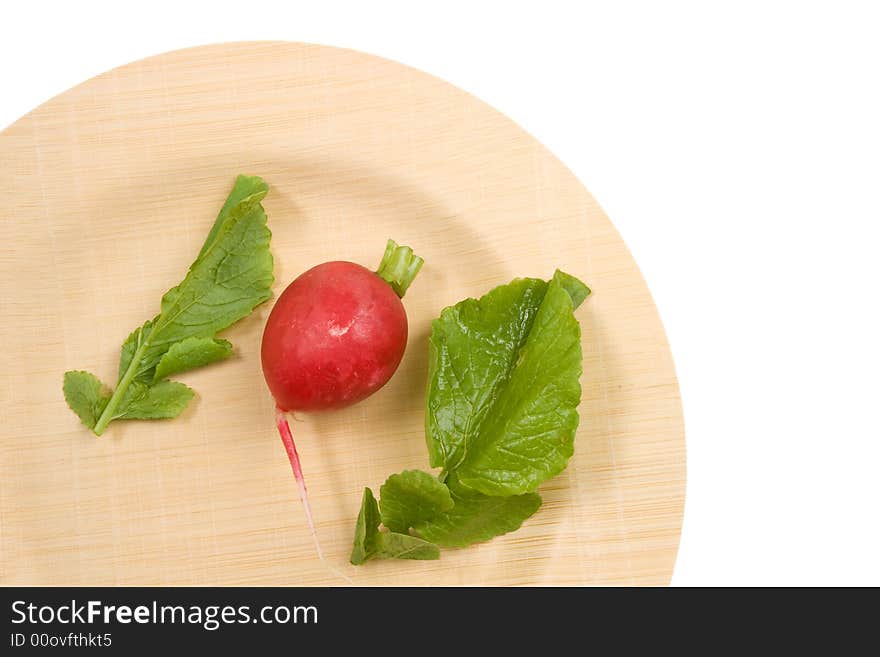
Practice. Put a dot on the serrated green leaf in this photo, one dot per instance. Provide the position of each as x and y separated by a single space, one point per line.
476 518
86 396
503 386
230 277
503 389
370 543
191 353
164 400
410 497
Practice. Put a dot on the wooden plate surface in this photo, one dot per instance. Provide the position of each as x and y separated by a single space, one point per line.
108 191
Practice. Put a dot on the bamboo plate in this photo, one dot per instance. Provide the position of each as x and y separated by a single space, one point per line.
108 191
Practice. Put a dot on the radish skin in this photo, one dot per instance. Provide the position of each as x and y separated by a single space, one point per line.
335 336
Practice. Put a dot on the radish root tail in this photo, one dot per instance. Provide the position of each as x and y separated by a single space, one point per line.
290 448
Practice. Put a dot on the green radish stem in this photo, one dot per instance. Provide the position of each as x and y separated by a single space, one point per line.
399 267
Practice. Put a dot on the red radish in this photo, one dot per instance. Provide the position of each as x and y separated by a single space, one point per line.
335 336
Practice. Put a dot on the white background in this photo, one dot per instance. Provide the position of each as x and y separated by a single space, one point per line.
736 146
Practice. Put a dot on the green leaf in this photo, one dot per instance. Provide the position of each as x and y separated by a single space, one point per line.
135 339
392 545
370 543
476 518
503 391
164 400
86 396
503 386
246 193
575 288
366 531
410 497
230 277
471 350
191 353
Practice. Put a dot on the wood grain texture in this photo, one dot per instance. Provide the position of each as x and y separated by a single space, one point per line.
108 191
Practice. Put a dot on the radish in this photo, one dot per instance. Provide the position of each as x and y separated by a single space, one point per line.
335 336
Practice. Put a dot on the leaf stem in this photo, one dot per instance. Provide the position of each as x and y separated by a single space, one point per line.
121 389
399 267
